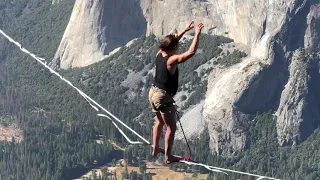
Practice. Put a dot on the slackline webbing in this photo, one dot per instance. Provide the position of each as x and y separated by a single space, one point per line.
113 118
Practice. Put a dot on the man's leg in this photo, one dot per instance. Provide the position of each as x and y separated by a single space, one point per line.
170 120
157 129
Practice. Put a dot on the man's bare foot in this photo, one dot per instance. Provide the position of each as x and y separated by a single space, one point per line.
173 158
155 152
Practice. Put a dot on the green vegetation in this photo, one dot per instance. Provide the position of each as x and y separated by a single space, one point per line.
233 58
59 140
55 145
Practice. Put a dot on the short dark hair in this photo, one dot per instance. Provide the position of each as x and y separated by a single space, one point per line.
168 43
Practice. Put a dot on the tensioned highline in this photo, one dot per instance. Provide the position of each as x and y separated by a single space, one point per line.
113 118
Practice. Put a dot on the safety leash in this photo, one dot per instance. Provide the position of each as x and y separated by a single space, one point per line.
189 157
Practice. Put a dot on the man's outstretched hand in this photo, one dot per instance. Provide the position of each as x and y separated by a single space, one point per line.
189 26
198 29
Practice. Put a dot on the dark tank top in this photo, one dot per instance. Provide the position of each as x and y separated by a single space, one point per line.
163 78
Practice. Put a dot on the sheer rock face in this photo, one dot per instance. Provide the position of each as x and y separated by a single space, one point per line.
97 27
271 77
243 90
298 112
252 23
312 33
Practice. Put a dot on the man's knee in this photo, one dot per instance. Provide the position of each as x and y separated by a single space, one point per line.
160 124
172 128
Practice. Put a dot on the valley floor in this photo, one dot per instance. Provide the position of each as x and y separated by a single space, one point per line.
158 172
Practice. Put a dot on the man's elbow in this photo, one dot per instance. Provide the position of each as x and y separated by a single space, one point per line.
191 52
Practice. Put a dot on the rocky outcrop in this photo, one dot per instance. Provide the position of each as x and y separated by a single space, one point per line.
96 28
298 113
192 122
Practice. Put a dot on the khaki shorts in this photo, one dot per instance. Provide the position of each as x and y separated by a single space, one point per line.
160 101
